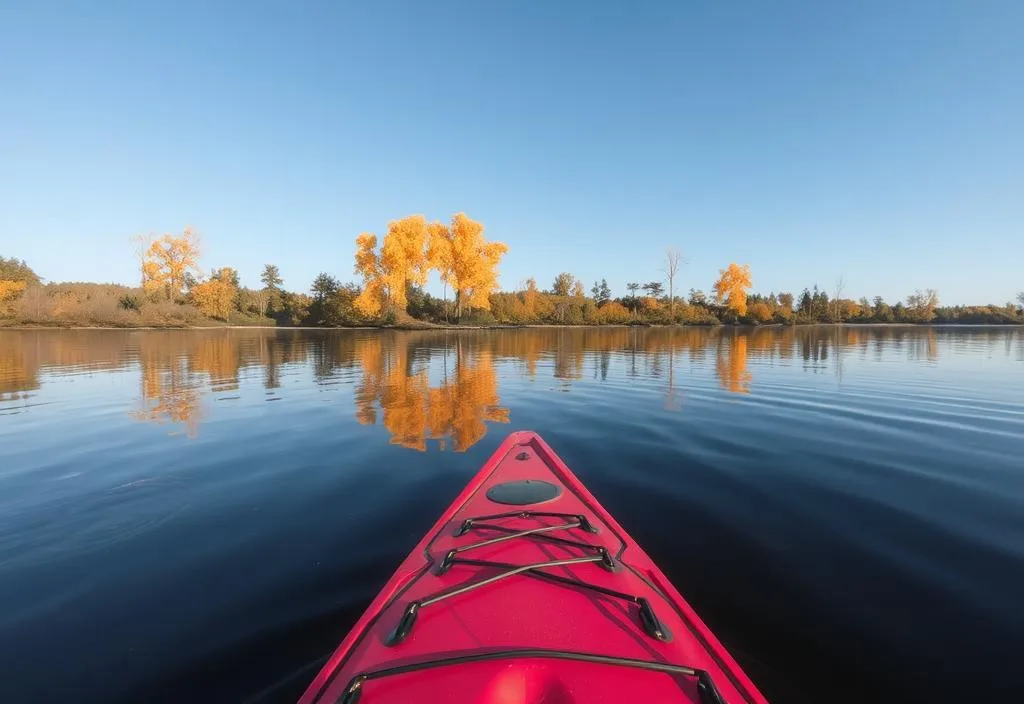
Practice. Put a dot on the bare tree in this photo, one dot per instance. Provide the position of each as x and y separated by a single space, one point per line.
840 287
673 258
140 246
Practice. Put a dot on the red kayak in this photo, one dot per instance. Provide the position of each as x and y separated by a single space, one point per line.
527 591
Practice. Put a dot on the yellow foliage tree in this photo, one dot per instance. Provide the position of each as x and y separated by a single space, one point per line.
402 260
577 289
9 292
370 300
439 255
412 247
530 296
404 257
761 312
732 287
214 297
474 263
168 262
613 312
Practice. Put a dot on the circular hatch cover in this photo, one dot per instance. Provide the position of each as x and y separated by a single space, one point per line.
523 492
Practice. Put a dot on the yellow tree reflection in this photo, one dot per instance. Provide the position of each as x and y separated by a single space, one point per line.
731 367
170 392
218 357
404 401
467 401
370 353
19 367
455 412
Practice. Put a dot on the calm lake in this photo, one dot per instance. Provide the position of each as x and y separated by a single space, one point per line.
201 515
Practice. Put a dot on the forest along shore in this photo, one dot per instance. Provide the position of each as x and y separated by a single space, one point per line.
174 293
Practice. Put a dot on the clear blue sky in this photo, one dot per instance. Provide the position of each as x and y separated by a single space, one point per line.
882 141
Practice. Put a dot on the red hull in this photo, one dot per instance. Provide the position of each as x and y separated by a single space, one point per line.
606 627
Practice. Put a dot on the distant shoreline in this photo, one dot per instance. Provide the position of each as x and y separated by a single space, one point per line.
532 326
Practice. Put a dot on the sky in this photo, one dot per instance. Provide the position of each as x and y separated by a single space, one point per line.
877 141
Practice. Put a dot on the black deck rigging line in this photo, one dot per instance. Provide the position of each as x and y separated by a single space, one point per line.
650 622
539 533
648 619
706 689
585 524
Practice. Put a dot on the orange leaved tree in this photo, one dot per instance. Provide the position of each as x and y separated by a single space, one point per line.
169 261
474 263
439 255
215 297
368 265
402 261
732 287
9 292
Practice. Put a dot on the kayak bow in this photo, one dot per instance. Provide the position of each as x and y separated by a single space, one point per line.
527 591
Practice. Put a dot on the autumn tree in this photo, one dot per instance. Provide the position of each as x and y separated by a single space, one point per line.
474 263
369 266
402 261
439 256
170 261
216 297
577 289
732 286
530 296
15 277
12 269
9 292
227 274
760 312
404 257
562 284
673 259
613 312
921 305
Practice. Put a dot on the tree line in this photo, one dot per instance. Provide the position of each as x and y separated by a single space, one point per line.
174 291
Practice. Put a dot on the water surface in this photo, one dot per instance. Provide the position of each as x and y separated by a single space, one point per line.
201 515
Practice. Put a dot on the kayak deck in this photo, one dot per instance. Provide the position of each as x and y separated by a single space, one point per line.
526 590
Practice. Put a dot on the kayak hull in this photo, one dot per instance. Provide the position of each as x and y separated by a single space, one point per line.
527 590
